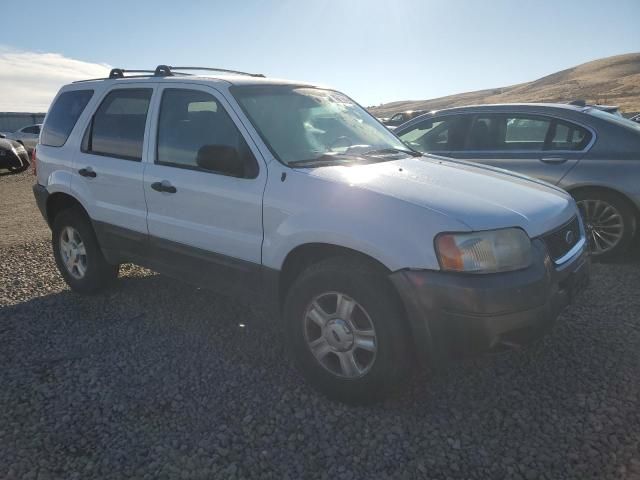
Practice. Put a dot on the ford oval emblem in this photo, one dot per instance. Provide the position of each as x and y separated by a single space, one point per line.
568 237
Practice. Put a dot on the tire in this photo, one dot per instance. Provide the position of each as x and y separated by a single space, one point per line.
614 233
354 282
91 273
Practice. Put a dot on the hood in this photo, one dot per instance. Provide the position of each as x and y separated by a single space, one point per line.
482 198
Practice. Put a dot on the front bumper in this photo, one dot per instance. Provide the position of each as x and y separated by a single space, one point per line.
453 314
8 159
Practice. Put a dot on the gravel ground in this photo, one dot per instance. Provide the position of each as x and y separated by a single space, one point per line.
156 379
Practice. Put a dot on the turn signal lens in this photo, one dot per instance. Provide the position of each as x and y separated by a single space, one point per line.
484 252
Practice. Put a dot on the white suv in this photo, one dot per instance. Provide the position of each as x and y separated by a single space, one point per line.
374 256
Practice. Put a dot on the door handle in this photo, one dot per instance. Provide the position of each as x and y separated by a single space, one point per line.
87 172
553 159
163 186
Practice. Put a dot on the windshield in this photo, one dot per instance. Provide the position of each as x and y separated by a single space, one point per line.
309 125
618 120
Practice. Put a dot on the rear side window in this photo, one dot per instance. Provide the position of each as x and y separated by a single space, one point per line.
508 132
63 117
117 127
34 129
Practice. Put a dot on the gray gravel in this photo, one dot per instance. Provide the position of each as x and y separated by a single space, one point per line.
156 379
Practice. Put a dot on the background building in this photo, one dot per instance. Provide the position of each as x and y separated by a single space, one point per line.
12 121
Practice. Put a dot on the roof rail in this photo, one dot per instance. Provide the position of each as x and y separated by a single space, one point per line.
167 71
163 71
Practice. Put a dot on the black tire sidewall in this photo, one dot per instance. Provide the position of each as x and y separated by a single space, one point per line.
373 292
99 273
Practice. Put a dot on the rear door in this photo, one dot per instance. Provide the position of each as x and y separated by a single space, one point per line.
536 145
204 187
108 169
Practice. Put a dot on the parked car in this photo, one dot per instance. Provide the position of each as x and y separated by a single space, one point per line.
402 117
13 156
27 136
370 256
593 155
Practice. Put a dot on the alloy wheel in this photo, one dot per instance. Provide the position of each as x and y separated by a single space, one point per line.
73 252
603 223
340 335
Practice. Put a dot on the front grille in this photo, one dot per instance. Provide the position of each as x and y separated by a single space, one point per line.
560 241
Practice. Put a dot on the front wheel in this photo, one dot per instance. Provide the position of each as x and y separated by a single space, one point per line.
78 255
346 330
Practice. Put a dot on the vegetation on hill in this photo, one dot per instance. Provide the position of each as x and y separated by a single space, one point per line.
611 81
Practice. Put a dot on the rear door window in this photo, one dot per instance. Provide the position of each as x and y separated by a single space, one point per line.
63 117
117 127
508 132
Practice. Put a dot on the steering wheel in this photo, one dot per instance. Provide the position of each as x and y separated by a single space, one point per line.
342 138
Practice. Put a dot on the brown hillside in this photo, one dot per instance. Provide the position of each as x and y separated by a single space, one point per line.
612 80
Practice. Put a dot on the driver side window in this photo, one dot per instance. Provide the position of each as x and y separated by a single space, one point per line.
436 134
195 132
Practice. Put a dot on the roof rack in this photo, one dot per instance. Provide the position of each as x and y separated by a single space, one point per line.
119 72
164 71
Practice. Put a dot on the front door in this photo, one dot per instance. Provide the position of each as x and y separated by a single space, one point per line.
203 185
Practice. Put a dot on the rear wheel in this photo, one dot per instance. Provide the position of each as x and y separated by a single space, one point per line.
346 330
78 255
609 222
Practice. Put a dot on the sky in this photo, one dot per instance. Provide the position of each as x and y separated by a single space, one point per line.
376 51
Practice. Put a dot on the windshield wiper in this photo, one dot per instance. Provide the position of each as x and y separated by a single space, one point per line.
384 151
326 160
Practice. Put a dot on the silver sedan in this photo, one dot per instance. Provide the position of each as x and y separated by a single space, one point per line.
592 154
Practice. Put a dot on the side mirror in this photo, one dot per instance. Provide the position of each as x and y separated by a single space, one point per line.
220 158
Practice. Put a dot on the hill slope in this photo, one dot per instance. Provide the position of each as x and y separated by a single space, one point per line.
612 80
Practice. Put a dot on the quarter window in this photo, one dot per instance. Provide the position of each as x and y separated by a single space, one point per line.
63 117
568 136
117 127
195 132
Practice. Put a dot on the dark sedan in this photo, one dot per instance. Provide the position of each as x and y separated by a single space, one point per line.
13 156
402 117
590 153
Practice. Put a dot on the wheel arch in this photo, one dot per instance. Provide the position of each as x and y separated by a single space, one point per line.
305 255
635 208
59 201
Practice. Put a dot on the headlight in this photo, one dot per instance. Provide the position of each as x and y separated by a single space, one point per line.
484 252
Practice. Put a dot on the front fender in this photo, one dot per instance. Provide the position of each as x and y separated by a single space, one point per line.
305 209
